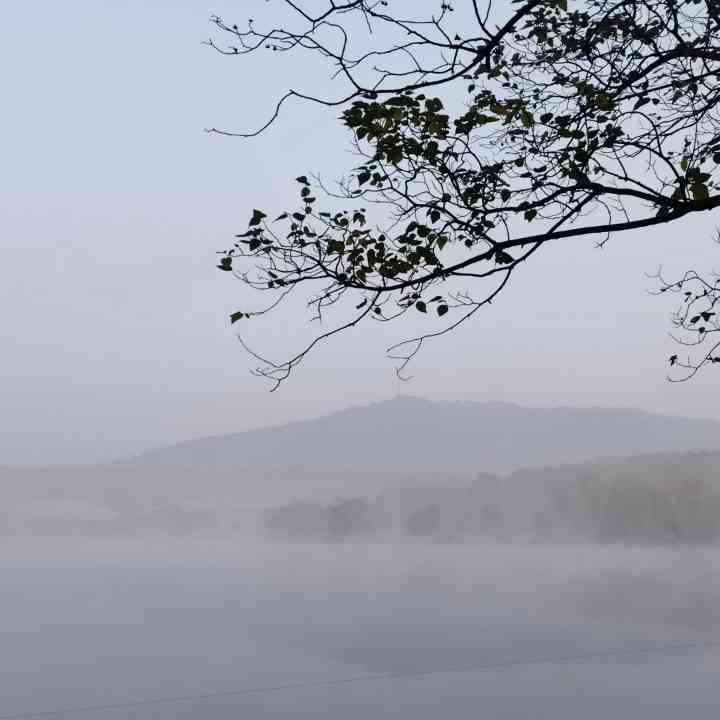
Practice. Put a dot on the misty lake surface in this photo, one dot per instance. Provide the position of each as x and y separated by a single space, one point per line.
457 631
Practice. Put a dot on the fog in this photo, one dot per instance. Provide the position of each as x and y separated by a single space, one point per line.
113 319
184 583
358 631
534 533
492 472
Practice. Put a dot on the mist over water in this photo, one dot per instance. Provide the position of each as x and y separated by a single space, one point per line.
517 539
116 621
245 578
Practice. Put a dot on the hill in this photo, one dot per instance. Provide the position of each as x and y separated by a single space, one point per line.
224 482
409 434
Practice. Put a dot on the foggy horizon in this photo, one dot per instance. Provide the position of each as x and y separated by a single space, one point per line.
399 397
115 326
522 520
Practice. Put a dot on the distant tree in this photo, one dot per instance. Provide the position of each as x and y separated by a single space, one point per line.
299 520
557 120
424 522
347 518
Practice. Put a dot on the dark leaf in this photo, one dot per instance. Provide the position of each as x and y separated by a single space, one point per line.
257 217
503 258
700 191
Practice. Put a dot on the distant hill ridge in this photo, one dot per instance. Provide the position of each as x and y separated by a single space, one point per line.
457 456
414 434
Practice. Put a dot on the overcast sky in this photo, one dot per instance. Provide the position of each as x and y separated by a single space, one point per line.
114 323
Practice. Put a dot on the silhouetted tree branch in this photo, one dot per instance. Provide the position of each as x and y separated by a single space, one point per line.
556 121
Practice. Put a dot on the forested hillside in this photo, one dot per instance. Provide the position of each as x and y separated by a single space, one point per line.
665 498
420 468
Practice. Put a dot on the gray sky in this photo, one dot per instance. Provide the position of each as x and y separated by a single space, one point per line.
113 320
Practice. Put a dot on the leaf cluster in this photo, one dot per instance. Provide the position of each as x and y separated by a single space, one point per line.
478 146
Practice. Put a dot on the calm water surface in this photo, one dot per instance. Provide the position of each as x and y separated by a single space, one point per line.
85 623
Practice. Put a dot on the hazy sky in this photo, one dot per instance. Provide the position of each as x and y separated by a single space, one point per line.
113 327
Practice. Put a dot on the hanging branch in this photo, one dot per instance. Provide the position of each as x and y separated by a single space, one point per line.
577 120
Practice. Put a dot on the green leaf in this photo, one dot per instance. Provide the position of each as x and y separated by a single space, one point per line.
530 214
421 306
604 102
700 191
236 316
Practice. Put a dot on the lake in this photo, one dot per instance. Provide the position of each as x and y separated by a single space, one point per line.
369 631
